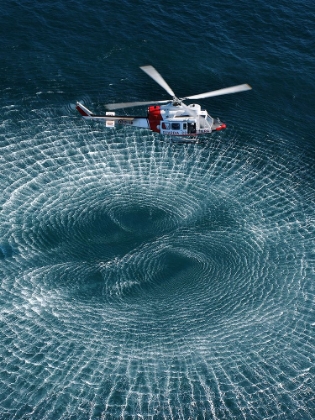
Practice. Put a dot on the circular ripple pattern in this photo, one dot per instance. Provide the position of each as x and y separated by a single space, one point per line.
142 279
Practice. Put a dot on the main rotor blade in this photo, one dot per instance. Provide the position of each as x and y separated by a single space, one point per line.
150 70
130 104
232 89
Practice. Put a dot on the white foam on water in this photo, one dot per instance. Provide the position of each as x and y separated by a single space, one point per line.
153 279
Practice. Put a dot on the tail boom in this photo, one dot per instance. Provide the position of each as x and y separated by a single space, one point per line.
141 122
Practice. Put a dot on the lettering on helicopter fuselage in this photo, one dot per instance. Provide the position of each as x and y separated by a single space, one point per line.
125 122
174 133
184 133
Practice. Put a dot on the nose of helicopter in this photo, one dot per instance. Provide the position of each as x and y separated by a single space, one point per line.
221 127
218 125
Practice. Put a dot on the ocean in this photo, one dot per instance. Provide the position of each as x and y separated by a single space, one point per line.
141 278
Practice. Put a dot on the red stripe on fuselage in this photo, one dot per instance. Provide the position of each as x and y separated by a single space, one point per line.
154 117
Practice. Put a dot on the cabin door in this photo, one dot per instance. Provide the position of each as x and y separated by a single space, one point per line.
191 128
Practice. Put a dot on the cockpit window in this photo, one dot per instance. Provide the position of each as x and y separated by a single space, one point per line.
206 121
175 126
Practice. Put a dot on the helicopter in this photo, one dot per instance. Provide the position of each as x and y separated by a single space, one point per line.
170 117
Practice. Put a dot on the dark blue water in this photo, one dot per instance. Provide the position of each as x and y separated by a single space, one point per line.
145 279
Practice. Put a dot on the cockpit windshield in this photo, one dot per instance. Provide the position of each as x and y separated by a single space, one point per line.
206 122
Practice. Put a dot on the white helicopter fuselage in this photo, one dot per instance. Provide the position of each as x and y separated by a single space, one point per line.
169 120
176 120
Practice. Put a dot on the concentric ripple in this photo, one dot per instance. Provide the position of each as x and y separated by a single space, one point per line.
143 279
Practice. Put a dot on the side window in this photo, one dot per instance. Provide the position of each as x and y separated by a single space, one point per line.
165 126
175 126
184 126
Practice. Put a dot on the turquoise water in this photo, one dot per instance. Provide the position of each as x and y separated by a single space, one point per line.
142 278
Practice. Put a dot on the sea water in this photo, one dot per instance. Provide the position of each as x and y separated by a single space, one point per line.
142 278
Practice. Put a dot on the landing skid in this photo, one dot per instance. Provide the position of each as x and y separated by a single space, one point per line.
185 139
